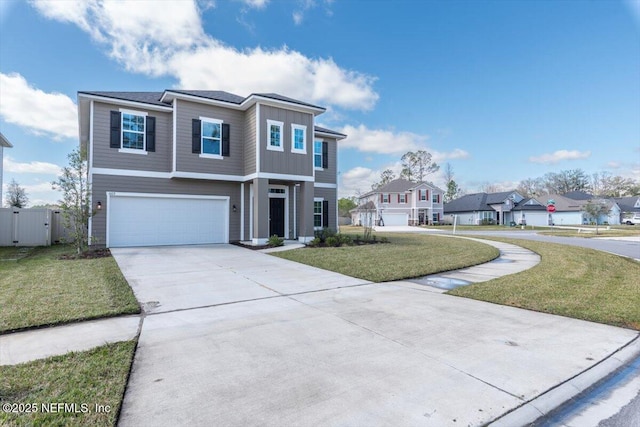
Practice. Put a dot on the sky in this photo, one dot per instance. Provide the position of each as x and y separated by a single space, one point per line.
501 90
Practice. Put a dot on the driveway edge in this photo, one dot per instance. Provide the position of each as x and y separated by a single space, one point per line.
550 400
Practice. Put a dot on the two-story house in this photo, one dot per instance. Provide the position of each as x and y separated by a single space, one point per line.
197 167
400 202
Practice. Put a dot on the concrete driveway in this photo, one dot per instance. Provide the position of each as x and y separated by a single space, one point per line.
237 337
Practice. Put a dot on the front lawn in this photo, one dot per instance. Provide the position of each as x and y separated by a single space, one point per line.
569 281
37 288
76 389
408 255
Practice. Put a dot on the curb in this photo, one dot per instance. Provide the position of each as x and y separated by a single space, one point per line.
558 395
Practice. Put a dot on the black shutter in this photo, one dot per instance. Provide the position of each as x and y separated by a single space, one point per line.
325 213
195 136
151 133
226 132
115 129
325 154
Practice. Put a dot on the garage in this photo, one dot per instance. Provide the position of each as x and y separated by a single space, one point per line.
136 219
395 219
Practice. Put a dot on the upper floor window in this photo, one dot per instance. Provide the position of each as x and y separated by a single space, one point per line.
402 198
423 194
298 139
320 154
435 198
211 137
274 135
132 131
385 198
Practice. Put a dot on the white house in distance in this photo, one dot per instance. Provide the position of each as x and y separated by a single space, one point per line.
3 143
483 208
400 202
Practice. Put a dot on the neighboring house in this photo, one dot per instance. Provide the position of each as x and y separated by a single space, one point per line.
629 206
569 211
197 167
400 202
483 208
3 143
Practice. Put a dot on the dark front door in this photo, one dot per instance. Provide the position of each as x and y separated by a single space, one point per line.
276 217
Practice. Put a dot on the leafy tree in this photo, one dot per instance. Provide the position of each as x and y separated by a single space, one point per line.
345 204
566 181
453 192
417 165
76 194
595 209
16 196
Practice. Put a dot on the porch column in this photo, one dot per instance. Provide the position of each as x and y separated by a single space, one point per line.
260 211
306 212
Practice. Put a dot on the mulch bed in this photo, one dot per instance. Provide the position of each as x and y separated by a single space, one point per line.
90 254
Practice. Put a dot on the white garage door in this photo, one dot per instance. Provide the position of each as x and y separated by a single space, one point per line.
135 219
395 219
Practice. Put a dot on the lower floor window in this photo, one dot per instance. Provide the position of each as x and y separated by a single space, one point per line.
436 217
317 214
486 215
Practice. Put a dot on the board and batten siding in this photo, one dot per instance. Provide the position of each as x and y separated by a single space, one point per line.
104 183
250 140
106 157
329 174
285 162
187 161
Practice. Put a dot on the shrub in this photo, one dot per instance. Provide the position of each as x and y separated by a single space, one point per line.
275 241
315 242
333 241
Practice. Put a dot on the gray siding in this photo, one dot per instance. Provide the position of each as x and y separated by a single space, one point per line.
250 141
285 162
329 194
189 162
104 183
105 157
329 175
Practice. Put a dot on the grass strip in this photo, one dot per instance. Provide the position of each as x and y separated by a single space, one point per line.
569 281
75 389
40 289
407 256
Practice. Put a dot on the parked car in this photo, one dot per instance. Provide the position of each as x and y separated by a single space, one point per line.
631 221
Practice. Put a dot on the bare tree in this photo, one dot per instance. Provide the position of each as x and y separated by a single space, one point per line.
566 181
16 195
490 188
417 165
531 187
385 177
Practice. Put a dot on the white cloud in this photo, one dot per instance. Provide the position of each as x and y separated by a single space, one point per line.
380 141
256 4
357 181
50 114
298 17
32 167
560 155
171 42
457 153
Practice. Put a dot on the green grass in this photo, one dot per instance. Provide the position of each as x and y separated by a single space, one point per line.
569 281
590 232
97 376
41 289
408 255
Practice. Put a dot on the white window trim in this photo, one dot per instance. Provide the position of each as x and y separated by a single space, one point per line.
204 155
281 126
321 200
402 202
143 151
386 196
318 168
421 192
303 128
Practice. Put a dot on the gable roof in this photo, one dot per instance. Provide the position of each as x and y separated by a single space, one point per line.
476 202
497 198
529 204
628 204
400 185
578 195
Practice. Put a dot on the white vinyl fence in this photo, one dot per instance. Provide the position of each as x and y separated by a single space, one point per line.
31 227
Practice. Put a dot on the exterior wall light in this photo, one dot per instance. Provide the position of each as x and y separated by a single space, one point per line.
234 208
99 206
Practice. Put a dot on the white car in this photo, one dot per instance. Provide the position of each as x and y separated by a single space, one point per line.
631 221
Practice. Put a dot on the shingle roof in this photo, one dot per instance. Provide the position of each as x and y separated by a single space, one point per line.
578 195
530 204
286 99
329 131
152 98
476 202
627 204
496 198
217 95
